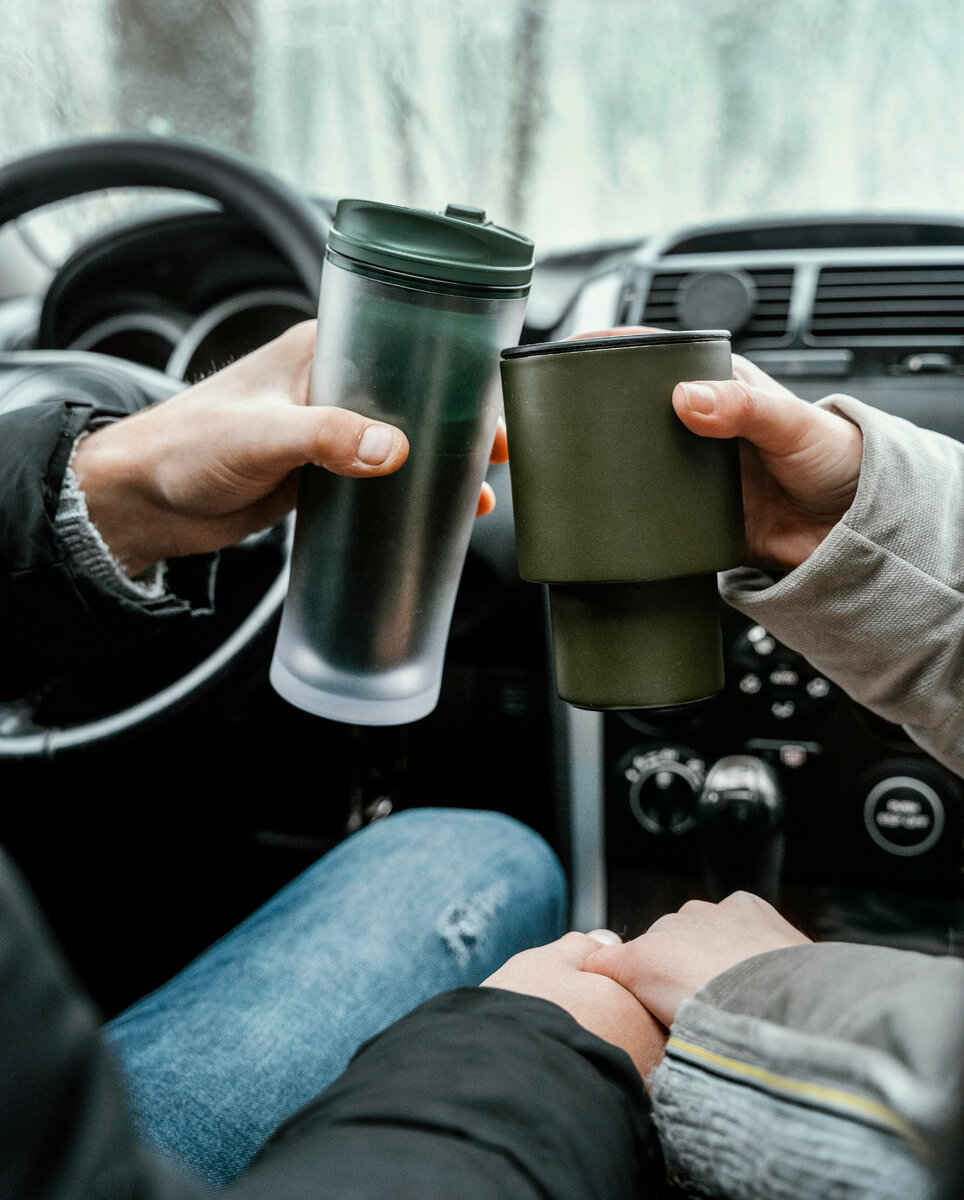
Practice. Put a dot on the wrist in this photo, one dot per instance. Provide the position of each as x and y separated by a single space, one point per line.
118 502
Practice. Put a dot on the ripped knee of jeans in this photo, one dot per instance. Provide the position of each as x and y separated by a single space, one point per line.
464 927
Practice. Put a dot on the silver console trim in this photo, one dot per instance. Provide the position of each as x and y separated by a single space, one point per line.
580 779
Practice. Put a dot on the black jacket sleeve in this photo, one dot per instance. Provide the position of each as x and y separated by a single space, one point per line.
53 617
64 1127
477 1093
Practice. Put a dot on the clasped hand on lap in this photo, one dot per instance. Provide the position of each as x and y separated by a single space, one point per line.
628 994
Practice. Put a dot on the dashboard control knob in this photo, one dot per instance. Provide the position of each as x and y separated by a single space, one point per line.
664 785
904 815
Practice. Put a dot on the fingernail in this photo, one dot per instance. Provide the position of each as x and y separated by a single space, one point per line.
606 937
375 445
699 399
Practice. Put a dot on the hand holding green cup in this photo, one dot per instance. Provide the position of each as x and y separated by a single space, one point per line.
624 513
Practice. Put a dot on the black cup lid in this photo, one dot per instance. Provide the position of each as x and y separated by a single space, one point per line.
619 342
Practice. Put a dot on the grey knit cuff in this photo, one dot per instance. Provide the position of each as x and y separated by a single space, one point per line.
89 554
723 1138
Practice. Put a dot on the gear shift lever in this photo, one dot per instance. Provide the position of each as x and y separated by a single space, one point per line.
741 828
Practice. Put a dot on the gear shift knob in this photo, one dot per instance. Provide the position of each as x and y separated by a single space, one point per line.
741 829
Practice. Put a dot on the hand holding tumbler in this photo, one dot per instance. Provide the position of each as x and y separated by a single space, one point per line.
414 309
624 513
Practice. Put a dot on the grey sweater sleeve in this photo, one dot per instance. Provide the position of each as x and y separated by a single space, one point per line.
834 1070
814 1072
879 605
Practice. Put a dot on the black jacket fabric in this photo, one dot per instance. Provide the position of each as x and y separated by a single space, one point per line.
51 617
479 1093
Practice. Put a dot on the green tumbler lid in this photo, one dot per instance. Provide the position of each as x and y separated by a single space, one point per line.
457 246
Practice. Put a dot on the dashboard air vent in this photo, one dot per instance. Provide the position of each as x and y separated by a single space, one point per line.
897 303
767 321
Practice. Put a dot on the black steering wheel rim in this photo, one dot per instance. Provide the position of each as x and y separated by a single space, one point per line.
289 222
76 168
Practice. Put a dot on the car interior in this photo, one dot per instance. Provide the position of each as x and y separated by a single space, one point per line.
172 781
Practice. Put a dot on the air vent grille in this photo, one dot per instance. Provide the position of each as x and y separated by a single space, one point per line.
889 304
768 321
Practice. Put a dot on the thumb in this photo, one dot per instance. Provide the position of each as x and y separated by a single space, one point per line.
615 962
342 441
572 949
775 422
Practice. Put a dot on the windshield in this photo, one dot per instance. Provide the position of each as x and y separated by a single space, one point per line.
576 121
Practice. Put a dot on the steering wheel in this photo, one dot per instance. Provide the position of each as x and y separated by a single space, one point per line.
299 233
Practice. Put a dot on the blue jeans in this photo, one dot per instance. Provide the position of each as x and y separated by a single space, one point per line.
261 1022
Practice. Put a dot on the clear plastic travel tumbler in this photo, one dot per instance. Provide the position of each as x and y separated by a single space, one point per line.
415 307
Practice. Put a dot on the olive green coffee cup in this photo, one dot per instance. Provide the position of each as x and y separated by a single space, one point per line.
624 513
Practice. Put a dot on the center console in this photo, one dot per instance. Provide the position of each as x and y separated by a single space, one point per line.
865 815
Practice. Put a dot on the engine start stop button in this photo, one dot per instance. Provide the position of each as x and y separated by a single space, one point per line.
904 816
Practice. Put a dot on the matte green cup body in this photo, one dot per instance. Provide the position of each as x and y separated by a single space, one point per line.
608 485
637 645
624 513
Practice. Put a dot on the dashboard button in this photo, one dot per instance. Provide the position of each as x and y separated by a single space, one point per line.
793 755
904 815
775 681
750 684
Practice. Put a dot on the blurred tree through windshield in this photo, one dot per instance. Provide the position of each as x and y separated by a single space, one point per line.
574 120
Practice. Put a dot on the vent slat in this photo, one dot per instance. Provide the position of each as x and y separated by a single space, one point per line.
887 291
831 276
870 324
845 308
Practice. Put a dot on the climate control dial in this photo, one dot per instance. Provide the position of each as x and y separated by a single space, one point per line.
664 787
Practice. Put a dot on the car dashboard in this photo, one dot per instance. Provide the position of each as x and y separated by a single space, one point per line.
248 791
